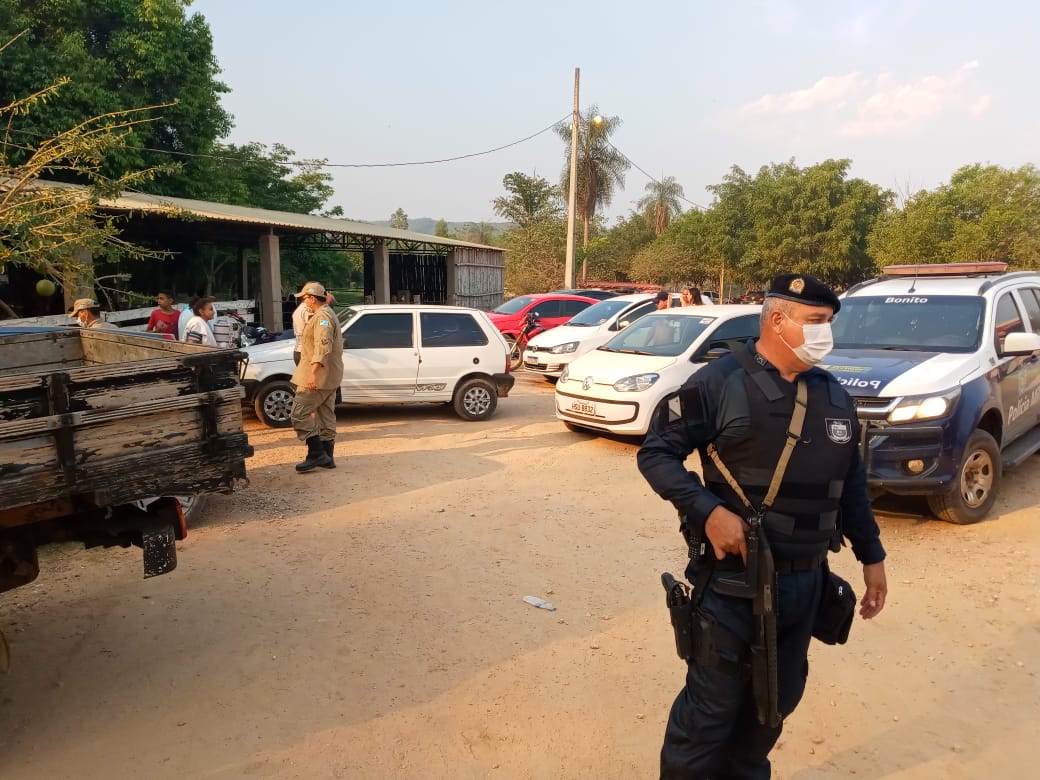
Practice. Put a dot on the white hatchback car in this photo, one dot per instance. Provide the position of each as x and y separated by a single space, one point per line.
393 354
616 387
549 352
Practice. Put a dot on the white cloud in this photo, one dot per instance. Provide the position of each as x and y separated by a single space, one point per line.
979 106
828 90
894 105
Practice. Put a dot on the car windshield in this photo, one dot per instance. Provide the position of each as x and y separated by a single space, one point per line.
598 313
919 323
514 305
664 334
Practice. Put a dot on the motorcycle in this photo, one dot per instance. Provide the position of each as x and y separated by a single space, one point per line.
246 334
532 327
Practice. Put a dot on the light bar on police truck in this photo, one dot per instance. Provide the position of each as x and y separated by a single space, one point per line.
944 269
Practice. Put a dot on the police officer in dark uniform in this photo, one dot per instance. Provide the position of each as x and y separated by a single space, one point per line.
743 403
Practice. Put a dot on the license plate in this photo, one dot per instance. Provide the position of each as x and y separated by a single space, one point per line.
581 407
531 361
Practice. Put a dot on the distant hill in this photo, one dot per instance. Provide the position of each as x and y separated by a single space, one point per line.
428 225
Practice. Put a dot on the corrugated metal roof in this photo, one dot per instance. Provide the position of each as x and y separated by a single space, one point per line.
222 212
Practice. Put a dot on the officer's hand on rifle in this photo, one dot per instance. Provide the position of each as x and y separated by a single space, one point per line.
727 533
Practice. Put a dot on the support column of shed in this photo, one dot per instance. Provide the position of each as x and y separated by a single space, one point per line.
452 273
381 269
270 298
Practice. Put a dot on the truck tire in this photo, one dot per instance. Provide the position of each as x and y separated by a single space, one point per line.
977 483
475 399
273 403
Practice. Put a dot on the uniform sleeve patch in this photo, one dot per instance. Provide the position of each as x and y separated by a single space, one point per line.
324 323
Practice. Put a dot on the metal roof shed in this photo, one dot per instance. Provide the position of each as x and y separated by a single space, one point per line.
440 270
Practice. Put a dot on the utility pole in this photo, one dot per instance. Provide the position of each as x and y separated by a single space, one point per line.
568 269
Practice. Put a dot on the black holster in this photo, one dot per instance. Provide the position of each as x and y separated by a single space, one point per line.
681 613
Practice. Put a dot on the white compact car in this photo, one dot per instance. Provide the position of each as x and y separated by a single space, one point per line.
392 354
549 352
616 387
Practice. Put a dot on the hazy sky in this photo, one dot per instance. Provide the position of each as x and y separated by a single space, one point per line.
909 91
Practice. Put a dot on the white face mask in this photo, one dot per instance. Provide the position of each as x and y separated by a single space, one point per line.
817 342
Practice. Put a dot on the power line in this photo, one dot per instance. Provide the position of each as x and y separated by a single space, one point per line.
652 178
312 164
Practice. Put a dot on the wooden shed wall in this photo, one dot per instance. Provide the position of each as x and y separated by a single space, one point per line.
479 276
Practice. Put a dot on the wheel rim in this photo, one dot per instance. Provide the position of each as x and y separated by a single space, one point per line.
476 401
278 405
977 479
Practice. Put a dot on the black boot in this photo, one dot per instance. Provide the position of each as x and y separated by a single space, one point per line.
315 456
330 450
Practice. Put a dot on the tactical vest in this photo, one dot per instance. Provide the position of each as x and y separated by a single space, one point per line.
802 522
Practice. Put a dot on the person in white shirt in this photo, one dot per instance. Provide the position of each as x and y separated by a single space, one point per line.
198 329
299 319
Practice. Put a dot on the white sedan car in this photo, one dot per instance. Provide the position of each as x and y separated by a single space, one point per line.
616 387
549 352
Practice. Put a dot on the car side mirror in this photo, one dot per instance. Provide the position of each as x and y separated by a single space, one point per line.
623 324
706 357
1021 344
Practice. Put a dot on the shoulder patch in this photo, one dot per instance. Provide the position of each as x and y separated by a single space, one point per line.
324 323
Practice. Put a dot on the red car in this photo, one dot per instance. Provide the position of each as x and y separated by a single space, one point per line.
553 309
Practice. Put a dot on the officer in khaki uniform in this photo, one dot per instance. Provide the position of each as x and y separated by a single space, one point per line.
317 378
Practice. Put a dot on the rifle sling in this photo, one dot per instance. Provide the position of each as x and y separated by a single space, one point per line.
794 433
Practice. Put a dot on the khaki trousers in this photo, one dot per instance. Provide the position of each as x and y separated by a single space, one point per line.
314 414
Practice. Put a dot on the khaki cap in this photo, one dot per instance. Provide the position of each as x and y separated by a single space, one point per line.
312 288
83 303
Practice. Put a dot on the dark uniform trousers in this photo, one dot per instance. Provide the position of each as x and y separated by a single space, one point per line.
713 730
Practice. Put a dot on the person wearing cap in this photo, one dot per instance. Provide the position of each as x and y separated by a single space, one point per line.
743 406
87 311
300 316
317 378
662 300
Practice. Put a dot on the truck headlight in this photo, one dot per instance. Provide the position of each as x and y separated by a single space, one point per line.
924 407
560 349
636 383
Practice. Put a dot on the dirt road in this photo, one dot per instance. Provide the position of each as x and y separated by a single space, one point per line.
368 622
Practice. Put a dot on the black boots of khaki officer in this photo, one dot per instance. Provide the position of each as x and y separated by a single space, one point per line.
316 456
330 450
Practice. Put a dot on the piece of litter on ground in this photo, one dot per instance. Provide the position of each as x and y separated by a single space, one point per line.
534 601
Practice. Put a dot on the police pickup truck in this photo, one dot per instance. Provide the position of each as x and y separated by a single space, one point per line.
944 364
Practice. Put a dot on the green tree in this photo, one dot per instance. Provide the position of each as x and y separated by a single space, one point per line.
661 203
984 213
535 257
118 55
51 229
441 229
253 175
399 219
811 220
601 167
609 256
531 198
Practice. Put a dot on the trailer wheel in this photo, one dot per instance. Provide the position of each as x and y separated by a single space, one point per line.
977 484
273 403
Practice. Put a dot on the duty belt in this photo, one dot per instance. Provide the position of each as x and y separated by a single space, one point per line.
790 565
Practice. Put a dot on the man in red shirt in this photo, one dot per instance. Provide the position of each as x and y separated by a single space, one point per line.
164 319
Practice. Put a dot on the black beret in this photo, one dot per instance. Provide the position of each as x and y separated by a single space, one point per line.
803 289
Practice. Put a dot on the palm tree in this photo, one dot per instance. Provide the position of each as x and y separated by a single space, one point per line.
601 167
661 202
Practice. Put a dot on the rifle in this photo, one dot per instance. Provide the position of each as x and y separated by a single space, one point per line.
758 584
